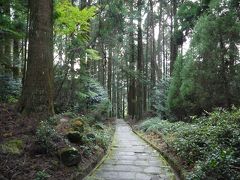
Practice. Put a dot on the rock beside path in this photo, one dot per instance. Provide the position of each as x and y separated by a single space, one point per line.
69 156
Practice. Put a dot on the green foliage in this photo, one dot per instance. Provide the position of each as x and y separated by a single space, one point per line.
174 97
14 146
188 14
103 137
13 25
208 75
93 54
160 98
46 135
93 97
42 175
95 138
70 19
10 89
70 114
210 143
111 22
217 166
89 95
87 151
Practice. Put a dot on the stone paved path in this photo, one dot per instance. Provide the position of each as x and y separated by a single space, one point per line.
132 158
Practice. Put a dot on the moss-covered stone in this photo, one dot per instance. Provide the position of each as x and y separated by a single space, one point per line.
78 125
69 156
74 136
15 146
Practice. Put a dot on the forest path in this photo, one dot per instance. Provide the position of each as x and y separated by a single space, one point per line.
131 158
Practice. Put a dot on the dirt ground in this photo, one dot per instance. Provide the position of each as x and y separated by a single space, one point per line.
30 162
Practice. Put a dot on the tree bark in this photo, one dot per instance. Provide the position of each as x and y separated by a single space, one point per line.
140 64
109 83
7 60
173 43
132 83
16 60
153 52
145 89
24 70
160 42
37 96
114 91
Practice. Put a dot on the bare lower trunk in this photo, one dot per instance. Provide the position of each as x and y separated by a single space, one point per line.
37 93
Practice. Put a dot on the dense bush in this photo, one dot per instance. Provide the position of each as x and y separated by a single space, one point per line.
103 137
160 98
207 76
47 137
88 96
10 89
42 175
93 97
211 144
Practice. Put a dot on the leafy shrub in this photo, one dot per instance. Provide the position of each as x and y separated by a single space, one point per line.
88 96
93 97
46 135
10 89
87 151
92 93
201 81
70 114
211 144
218 165
42 175
103 137
157 125
160 98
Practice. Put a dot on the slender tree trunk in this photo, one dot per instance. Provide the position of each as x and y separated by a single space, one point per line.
104 62
153 53
224 75
140 64
123 102
72 83
37 93
132 85
16 59
114 90
119 102
110 75
163 50
145 89
173 43
26 46
160 48
8 43
83 4
2 52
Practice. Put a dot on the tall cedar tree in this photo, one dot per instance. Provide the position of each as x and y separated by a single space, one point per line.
140 64
132 82
37 95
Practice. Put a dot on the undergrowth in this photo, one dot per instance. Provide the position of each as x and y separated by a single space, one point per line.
210 144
